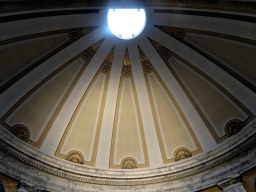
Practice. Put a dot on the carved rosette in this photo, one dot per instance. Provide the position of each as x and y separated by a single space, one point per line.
75 157
87 56
147 66
165 53
179 33
129 163
127 70
105 67
182 153
75 33
233 127
21 132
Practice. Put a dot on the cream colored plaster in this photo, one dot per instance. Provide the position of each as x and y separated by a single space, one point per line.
103 154
18 55
153 147
216 105
128 136
36 111
82 133
19 28
173 130
55 134
43 70
220 25
203 134
228 82
240 56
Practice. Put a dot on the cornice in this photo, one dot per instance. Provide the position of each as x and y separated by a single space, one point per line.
243 147
14 6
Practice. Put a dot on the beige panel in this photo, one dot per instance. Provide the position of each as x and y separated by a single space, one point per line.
216 106
14 56
35 112
83 131
128 132
173 130
240 55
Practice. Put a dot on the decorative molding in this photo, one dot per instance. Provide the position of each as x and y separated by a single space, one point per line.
147 66
228 182
160 49
182 153
127 70
178 33
129 163
75 157
108 61
21 131
79 32
233 127
249 144
87 55
211 5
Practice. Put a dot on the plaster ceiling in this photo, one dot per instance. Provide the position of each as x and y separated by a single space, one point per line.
83 95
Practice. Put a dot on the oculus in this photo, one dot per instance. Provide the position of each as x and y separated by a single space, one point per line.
126 23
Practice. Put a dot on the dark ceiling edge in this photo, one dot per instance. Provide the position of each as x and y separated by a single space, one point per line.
237 17
46 14
23 5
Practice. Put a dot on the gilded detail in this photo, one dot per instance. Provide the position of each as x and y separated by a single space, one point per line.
75 157
233 127
21 132
127 70
129 163
166 53
182 153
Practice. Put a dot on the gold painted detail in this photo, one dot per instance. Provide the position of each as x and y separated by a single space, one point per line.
143 56
108 61
127 70
126 58
182 153
55 114
233 127
147 66
75 157
178 33
96 46
79 32
21 132
165 53
87 55
144 60
129 163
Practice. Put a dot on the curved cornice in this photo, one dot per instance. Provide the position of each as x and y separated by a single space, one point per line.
19 150
211 5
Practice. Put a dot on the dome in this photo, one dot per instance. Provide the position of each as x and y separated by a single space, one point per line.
85 110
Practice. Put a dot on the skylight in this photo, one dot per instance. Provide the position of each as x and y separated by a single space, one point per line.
126 23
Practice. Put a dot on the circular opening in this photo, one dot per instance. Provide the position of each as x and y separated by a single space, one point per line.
126 23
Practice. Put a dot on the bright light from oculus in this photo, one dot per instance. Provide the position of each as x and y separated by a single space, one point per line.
126 23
